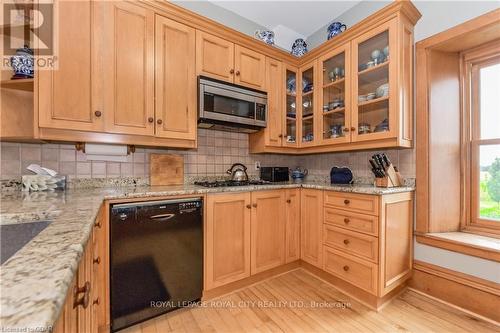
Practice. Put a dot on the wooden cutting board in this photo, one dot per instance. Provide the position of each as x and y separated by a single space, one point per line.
166 169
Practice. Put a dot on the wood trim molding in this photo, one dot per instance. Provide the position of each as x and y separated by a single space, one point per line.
460 247
452 40
474 295
465 279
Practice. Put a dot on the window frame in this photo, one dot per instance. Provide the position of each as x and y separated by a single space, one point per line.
472 61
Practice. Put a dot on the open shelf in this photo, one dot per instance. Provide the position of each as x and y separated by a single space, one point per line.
307 93
338 110
334 83
20 84
374 68
373 101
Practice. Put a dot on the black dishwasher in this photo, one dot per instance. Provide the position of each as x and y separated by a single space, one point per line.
156 258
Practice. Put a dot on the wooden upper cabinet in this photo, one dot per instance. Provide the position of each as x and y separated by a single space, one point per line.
311 211
375 84
214 57
227 238
275 84
334 92
128 68
175 80
267 230
68 96
292 229
249 67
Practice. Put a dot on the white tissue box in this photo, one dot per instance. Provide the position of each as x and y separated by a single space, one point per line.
35 183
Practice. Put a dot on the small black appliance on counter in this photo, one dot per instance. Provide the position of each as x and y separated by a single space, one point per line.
341 175
274 174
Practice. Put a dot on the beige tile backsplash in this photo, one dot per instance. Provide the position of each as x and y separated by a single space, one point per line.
216 152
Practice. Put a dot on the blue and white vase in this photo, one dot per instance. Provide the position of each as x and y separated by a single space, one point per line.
267 36
335 28
299 47
23 63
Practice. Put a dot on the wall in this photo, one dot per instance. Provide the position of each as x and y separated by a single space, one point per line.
349 18
216 152
221 15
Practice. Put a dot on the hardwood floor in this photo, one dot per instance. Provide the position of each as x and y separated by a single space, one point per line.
409 312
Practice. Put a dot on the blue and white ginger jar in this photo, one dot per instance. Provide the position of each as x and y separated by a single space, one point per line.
267 36
299 47
23 63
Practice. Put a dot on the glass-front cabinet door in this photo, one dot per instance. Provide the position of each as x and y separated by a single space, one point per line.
374 86
291 107
334 96
307 105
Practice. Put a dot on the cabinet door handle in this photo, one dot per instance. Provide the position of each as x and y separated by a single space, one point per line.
97 301
288 201
353 129
151 119
346 268
237 73
98 224
346 220
346 241
159 121
98 113
97 260
280 135
249 206
231 71
254 205
346 129
347 201
84 300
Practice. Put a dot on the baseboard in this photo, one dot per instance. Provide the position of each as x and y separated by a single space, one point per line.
476 296
243 283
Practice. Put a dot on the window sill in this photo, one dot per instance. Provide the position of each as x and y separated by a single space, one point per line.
463 242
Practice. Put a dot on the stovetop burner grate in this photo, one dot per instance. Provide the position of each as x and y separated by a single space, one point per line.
226 183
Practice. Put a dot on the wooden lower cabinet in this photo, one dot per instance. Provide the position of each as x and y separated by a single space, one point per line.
249 233
311 221
292 229
267 230
84 310
372 248
227 238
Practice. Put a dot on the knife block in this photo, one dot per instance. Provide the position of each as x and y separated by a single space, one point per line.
392 178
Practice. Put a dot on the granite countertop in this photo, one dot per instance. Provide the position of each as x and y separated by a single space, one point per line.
35 280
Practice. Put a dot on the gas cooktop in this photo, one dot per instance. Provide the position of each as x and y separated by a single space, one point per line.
225 183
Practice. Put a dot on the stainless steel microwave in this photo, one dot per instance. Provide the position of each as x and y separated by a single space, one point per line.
227 106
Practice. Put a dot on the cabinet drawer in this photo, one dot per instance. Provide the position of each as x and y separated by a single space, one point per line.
357 222
358 272
351 242
360 203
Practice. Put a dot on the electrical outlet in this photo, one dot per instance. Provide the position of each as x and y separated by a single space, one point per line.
257 165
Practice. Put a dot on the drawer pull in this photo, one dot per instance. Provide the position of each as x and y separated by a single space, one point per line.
97 301
98 224
346 241
346 220
97 260
98 113
347 201
346 268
